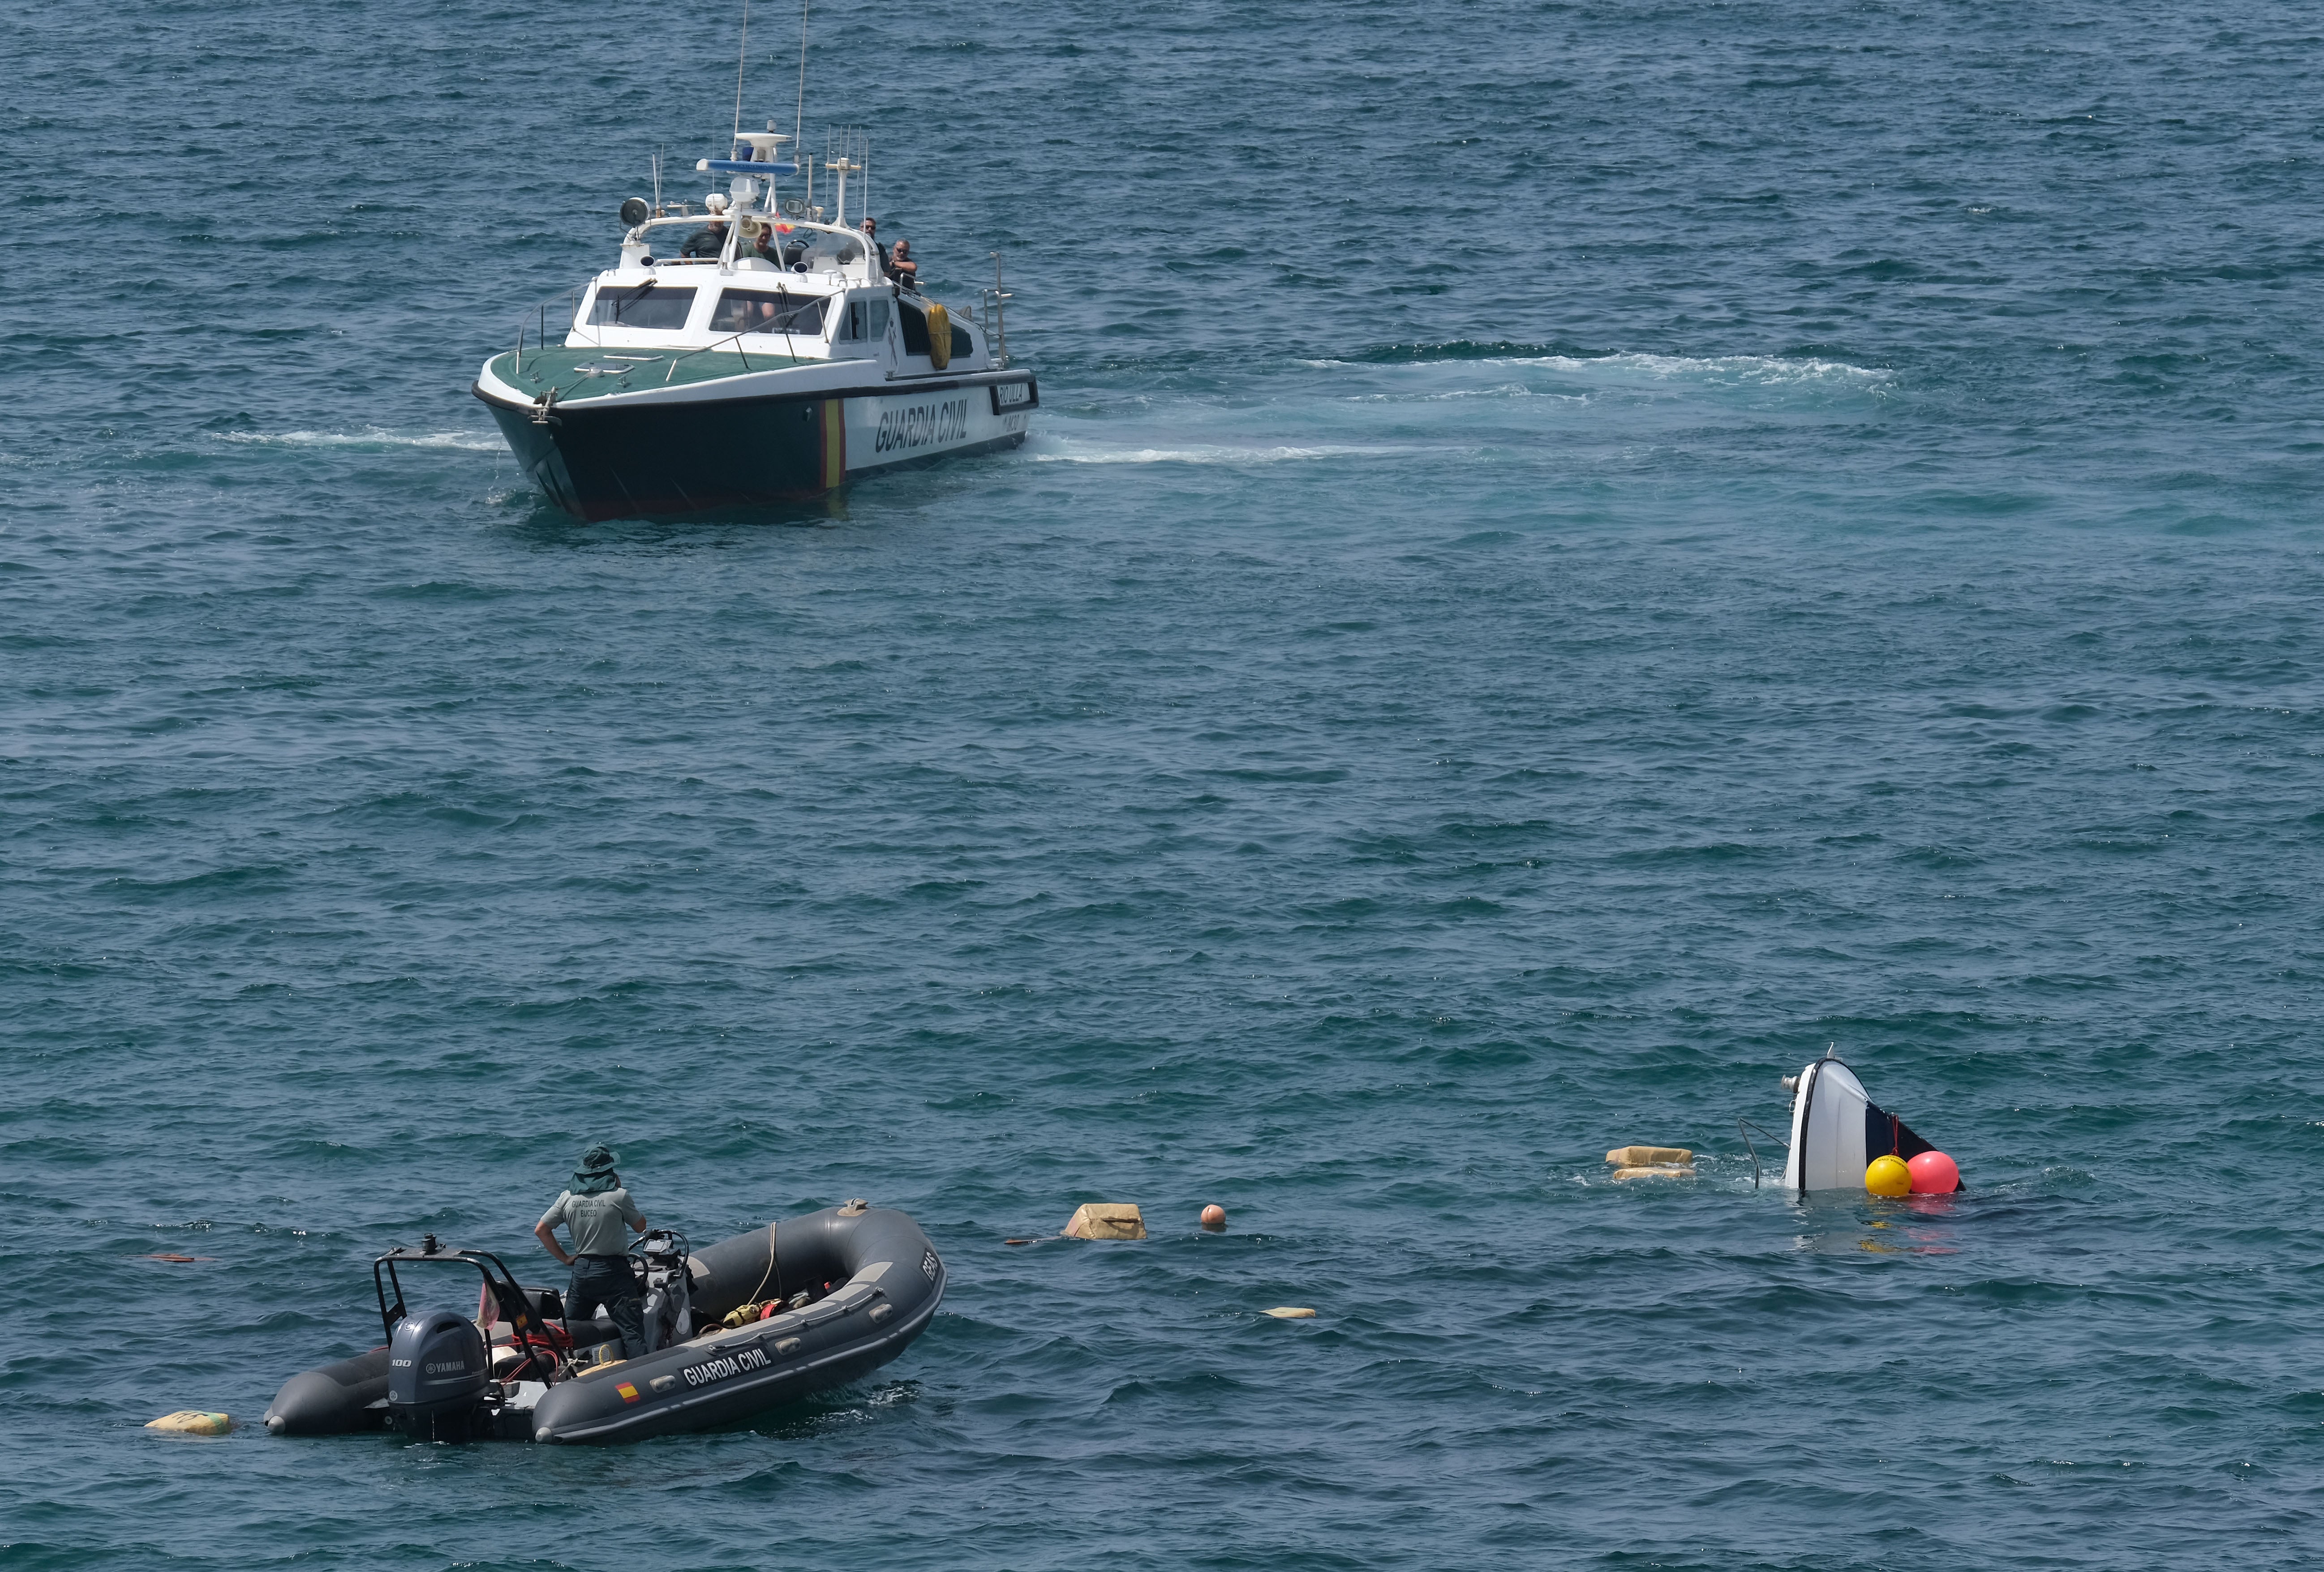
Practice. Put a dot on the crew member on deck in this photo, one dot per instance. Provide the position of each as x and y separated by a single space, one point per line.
871 227
781 247
706 242
902 268
593 1209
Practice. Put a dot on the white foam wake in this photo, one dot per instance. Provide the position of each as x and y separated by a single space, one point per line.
467 441
1765 369
1049 448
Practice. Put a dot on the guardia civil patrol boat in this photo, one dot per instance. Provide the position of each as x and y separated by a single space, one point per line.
748 1324
783 366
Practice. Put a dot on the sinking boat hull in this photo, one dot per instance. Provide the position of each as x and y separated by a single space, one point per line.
1837 1129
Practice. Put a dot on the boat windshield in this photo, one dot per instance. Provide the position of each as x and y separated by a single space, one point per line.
768 311
652 306
817 249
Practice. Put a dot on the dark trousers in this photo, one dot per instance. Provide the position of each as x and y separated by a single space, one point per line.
605 1280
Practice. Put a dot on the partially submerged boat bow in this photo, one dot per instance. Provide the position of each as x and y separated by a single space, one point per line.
852 1287
1837 1130
778 369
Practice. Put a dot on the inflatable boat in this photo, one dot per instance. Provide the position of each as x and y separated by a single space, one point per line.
749 1323
1837 1130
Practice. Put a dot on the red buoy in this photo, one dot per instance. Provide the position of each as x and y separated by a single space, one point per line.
1933 1173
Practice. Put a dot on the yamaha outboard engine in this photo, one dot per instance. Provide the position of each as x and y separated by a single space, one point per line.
437 1374
669 1289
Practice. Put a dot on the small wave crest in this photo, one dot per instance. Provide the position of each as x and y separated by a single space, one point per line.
1048 448
466 441
1763 369
1766 368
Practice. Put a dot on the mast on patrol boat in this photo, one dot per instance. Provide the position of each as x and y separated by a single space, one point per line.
842 166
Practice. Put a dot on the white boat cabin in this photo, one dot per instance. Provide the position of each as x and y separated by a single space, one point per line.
821 297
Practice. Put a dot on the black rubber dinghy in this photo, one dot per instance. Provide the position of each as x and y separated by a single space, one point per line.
854 1286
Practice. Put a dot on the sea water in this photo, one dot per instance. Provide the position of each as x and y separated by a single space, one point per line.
1572 558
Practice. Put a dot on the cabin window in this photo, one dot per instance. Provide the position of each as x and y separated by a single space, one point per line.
915 327
645 306
961 346
865 319
757 311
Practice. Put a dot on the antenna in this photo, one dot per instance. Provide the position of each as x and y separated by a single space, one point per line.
799 125
656 167
741 54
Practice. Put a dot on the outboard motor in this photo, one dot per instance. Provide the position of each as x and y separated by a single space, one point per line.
437 1374
669 1290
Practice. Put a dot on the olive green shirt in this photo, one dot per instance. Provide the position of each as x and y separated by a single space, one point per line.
595 1221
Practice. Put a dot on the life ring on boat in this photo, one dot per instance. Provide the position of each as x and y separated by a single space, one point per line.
939 336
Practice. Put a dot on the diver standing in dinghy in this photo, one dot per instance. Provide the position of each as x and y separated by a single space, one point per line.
593 1210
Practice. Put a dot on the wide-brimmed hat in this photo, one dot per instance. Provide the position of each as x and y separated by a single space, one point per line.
598 1159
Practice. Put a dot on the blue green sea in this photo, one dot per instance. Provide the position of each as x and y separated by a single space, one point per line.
1573 557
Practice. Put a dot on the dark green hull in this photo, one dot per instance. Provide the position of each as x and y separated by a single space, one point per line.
629 461
654 461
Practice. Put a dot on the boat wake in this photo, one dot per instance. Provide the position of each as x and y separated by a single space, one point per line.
1727 370
1465 406
1051 447
1704 371
466 441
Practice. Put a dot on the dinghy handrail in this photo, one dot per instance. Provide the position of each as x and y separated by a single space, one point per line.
504 1291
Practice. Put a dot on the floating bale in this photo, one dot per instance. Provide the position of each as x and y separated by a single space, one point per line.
192 1422
1654 1173
1648 1157
1100 1219
1292 1312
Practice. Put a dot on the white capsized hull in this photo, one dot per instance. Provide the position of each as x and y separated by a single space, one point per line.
1826 1130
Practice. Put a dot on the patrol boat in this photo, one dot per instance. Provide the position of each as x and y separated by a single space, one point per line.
785 366
751 1322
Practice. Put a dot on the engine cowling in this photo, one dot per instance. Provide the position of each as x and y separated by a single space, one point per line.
437 1373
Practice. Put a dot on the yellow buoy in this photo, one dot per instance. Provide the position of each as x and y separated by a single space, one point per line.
939 336
1292 1312
1888 1176
192 1422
